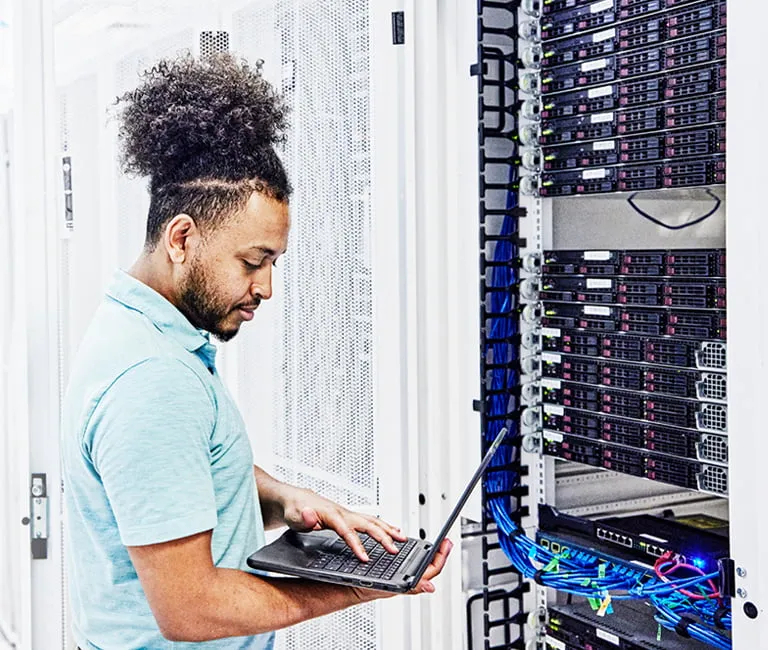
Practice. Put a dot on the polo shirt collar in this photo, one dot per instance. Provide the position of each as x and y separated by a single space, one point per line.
136 295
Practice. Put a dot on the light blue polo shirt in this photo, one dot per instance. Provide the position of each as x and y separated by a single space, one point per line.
154 449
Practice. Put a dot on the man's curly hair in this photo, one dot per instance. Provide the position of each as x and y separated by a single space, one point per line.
204 131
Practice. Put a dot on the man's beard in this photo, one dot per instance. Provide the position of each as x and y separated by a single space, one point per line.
200 304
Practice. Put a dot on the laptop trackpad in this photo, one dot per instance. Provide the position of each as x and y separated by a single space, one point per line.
311 541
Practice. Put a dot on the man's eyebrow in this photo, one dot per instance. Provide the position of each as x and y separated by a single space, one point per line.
266 251
262 249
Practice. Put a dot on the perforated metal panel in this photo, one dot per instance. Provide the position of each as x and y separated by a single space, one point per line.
321 395
325 380
213 43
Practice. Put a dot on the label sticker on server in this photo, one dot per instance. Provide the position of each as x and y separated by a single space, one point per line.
589 66
597 7
597 256
547 382
599 283
601 118
604 35
552 642
594 310
551 357
592 174
605 145
553 435
607 636
602 91
554 409
553 332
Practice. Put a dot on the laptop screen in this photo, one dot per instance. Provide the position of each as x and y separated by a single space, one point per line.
463 499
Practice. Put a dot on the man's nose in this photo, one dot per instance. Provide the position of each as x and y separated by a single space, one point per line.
262 286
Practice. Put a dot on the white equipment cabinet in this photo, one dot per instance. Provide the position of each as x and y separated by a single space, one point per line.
331 378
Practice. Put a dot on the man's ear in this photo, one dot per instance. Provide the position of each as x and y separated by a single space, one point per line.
178 235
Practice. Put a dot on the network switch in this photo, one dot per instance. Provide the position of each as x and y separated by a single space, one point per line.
567 543
666 351
593 126
700 324
577 626
648 292
650 90
682 443
686 473
648 61
635 405
699 539
704 262
679 23
663 174
674 382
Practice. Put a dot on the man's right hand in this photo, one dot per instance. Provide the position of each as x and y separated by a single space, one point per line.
425 585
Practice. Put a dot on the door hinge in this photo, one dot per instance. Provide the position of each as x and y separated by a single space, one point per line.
38 531
398 28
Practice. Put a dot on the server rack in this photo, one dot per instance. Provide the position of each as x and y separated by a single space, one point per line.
658 125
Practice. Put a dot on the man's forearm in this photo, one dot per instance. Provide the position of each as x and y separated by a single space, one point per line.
270 498
236 603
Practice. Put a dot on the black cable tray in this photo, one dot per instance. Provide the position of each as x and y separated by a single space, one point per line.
503 614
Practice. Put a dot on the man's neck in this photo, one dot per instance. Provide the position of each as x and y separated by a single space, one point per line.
156 275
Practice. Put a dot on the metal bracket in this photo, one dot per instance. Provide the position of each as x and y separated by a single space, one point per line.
69 219
39 516
398 28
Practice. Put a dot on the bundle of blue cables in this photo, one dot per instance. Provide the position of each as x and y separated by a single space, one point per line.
575 573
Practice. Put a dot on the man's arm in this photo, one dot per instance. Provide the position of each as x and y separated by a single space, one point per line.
270 498
301 509
193 600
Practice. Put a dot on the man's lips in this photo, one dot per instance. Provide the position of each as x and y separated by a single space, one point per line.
247 311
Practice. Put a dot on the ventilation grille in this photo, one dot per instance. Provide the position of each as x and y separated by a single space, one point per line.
712 417
712 356
213 43
713 448
63 123
322 401
713 387
714 479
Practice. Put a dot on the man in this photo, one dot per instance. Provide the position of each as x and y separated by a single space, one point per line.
162 505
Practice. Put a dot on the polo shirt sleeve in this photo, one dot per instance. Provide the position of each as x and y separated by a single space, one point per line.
150 445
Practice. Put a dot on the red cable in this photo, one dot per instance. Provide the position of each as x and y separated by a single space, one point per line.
667 559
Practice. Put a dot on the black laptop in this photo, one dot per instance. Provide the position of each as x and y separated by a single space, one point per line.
323 555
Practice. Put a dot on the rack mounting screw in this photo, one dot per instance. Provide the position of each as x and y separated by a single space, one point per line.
741 572
741 593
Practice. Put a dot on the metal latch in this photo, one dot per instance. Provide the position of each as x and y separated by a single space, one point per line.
39 511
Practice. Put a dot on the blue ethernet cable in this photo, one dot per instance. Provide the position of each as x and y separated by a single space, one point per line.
577 574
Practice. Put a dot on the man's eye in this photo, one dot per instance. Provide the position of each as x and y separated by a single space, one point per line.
252 267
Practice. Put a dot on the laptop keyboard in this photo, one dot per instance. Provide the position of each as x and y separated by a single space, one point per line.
382 564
